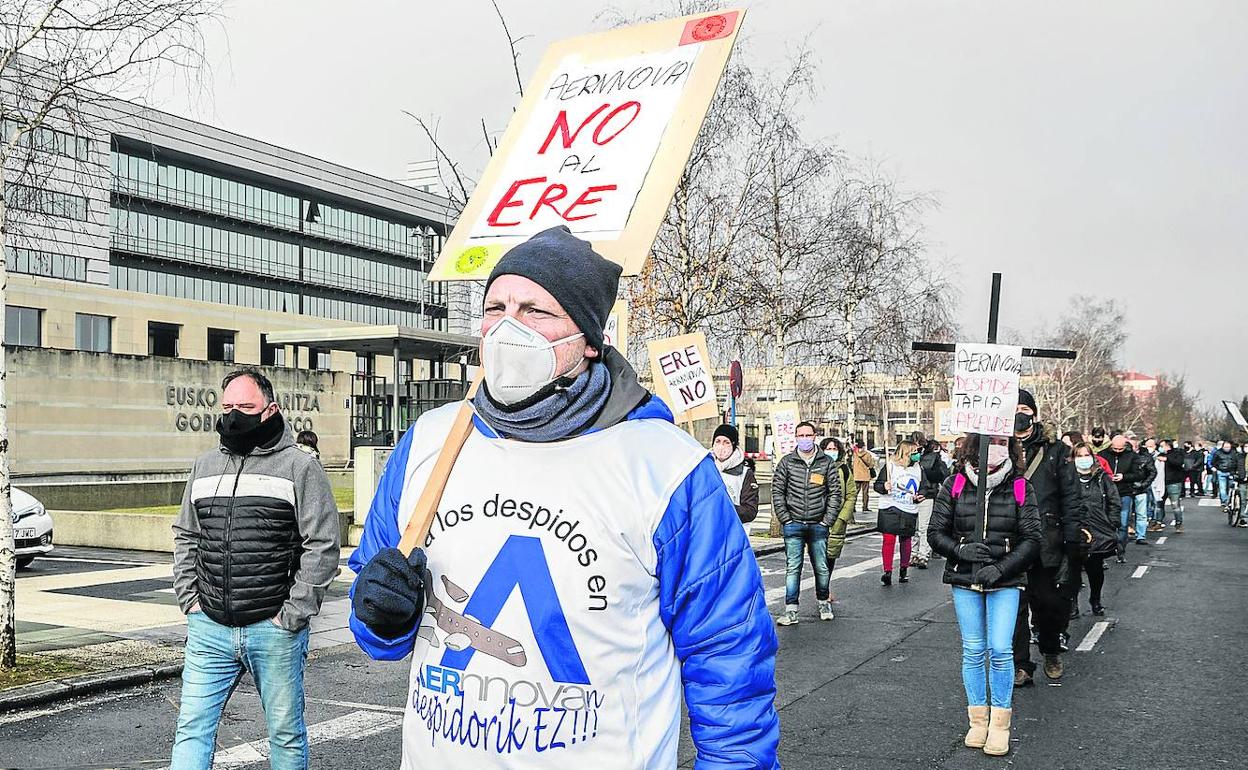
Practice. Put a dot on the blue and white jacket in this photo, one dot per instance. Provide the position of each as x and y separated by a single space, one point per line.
574 588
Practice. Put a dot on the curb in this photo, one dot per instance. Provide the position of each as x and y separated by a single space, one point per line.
42 693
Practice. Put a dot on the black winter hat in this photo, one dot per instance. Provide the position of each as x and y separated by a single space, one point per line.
582 280
1026 399
729 432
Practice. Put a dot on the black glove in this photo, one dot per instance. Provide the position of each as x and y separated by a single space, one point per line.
987 576
390 592
974 552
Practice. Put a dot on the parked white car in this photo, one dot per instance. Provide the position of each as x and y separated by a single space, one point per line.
32 528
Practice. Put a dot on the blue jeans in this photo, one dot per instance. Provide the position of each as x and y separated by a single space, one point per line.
1174 494
216 657
1224 487
813 539
986 621
1140 504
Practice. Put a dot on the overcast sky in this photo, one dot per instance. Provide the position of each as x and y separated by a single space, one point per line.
1078 147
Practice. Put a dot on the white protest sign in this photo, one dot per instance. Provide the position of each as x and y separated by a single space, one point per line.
597 144
943 418
1236 415
584 152
985 388
682 374
784 419
615 332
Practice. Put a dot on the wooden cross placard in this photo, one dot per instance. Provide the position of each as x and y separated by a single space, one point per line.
986 389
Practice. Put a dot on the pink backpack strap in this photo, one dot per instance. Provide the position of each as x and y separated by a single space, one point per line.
959 483
1020 490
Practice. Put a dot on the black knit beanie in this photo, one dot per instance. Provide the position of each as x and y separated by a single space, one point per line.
729 432
583 281
1026 399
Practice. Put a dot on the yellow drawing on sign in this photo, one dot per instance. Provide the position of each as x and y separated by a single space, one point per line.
597 144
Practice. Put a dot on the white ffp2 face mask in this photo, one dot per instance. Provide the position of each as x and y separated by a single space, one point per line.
518 361
997 454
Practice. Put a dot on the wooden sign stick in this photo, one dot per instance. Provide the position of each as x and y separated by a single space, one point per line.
427 504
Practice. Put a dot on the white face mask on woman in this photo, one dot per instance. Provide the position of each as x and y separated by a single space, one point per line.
518 360
997 455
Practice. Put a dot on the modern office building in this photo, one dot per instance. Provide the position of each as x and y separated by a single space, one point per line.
158 253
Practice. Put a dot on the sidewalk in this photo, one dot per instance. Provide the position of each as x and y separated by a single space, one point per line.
110 617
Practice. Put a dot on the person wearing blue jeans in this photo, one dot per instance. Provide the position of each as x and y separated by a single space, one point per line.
255 549
986 620
1138 504
806 498
988 548
216 658
799 541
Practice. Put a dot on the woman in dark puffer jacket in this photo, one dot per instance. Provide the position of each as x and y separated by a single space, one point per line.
987 574
1104 508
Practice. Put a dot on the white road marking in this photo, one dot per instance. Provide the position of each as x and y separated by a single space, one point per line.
1210 501
1139 571
1161 540
343 704
66 706
853 570
1094 636
356 725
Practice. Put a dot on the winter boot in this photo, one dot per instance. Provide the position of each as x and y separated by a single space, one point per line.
977 736
902 577
998 742
1053 667
886 579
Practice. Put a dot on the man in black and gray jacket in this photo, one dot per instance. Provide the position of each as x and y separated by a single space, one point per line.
256 547
806 498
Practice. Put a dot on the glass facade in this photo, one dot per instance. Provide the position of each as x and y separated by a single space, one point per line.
45 263
50 203
198 234
50 140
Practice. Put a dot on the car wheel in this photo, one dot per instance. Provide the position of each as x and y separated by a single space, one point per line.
24 561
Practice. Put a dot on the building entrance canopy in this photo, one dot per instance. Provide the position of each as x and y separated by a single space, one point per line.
401 343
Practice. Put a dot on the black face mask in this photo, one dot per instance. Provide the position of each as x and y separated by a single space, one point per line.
1023 422
241 432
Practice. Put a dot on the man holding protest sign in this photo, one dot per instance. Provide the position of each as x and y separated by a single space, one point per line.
585 562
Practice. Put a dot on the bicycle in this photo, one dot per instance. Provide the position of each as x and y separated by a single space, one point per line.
1232 505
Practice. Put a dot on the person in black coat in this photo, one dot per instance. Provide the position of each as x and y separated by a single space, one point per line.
933 473
1048 599
988 551
1127 472
1173 457
1103 505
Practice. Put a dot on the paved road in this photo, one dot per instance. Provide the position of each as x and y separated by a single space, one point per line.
879 687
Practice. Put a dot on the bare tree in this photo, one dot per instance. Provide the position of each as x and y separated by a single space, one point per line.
57 59
1086 392
885 290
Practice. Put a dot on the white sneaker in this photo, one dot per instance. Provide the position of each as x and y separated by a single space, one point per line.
789 618
825 611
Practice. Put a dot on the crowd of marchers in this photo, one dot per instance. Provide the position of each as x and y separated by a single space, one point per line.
1057 508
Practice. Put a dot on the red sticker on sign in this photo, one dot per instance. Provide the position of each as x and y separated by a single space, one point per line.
707 28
